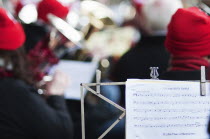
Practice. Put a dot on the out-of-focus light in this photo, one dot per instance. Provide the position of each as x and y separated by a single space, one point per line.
127 10
40 91
66 29
73 19
66 2
105 63
28 14
97 9
84 21
47 78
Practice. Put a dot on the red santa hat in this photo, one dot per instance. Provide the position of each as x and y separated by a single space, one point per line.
54 7
12 35
189 33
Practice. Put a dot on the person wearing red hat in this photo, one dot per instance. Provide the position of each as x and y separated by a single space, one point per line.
24 113
152 18
188 43
39 30
39 40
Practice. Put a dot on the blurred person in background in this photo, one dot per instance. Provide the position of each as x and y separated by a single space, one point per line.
188 42
40 30
40 52
39 44
152 18
24 113
42 38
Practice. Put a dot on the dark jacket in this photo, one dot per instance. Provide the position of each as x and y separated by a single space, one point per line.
149 52
25 114
181 75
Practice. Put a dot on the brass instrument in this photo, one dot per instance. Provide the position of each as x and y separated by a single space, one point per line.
86 21
91 17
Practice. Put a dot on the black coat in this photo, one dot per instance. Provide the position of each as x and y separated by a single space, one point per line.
149 52
25 114
181 75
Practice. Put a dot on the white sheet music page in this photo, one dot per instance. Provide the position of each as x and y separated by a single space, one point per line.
78 72
160 109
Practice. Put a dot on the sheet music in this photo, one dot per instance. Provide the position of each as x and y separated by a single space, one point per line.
159 109
78 72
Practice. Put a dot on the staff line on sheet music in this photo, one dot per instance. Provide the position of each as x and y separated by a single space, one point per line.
172 110
170 118
163 95
196 124
178 134
170 102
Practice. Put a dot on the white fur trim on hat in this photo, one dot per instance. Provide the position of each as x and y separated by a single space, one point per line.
158 13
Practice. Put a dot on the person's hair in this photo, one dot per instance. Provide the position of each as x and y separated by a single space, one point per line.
20 65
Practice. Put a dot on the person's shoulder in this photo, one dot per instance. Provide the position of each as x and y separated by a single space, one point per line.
181 75
11 82
11 85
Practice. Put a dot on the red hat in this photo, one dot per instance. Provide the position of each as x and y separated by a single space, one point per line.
54 7
189 33
12 35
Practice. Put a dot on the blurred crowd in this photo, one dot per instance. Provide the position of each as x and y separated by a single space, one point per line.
125 38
